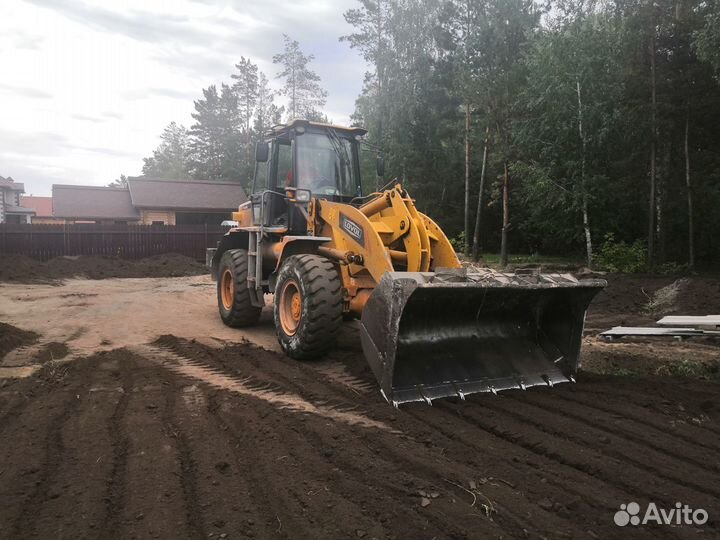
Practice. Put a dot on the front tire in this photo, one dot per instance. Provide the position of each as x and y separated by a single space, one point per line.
236 309
308 306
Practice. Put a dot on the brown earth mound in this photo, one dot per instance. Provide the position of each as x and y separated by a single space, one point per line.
21 269
12 338
628 298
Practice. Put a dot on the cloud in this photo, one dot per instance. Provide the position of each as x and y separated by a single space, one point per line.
171 93
47 144
134 24
23 91
22 40
121 70
113 115
87 118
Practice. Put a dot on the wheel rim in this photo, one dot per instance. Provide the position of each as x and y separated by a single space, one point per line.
290 307
227 289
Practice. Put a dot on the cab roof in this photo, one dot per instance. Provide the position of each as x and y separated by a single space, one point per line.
293 124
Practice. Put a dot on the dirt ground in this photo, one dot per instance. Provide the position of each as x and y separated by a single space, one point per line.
21 269
132 412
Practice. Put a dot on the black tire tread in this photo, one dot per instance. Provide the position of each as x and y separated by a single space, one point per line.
243 312
322 319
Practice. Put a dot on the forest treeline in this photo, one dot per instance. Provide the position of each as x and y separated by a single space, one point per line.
567 127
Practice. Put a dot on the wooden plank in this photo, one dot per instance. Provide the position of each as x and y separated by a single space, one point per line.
649 331
644 331
704 321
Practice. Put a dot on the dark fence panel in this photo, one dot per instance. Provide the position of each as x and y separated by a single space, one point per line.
45 241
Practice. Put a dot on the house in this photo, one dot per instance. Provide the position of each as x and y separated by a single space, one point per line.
93 204
184 202
11 209
149 201
43 208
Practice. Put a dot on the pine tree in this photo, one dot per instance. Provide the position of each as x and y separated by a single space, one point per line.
267 114
215 143
302 85
246 88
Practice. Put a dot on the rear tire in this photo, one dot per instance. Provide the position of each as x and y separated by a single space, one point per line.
308 306
236 309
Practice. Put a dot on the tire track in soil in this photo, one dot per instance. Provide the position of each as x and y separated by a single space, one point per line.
188 470
632 465
390 449
642 418
309 449
552 480
249 418
253 462
656 393
533 436
637 453
117 484
346 486
297 381
154 499
183 365
448 428
23 525
678 420
75 505
433 475
651 403
654 442
277 372
15 409
255 488
310 389
225 490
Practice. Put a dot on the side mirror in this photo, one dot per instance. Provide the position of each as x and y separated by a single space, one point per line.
380 164
262 151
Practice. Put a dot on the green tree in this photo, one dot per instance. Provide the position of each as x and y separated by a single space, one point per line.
573 91
267 114
707 36
120 182
246 88
302 84
170 159
370 37
215 146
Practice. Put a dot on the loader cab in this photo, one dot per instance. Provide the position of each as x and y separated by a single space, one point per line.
317 158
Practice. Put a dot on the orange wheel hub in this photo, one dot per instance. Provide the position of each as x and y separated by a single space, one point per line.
227 289
290 307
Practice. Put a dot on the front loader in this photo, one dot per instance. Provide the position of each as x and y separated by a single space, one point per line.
429 328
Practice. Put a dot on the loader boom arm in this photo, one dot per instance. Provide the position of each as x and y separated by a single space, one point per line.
388 233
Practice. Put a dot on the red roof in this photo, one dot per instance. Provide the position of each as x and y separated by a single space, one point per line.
42 205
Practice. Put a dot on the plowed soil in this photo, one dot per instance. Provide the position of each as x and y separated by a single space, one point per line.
200 435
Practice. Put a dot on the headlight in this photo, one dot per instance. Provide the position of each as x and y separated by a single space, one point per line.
302 196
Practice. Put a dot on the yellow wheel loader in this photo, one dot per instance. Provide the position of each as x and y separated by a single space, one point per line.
429 328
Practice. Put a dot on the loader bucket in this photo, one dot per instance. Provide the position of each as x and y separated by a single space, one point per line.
434 335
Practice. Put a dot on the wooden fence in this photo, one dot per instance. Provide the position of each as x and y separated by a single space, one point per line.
44 241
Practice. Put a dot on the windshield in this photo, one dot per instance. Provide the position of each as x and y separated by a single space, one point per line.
325 164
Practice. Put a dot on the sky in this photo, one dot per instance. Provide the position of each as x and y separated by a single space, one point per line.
86 88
